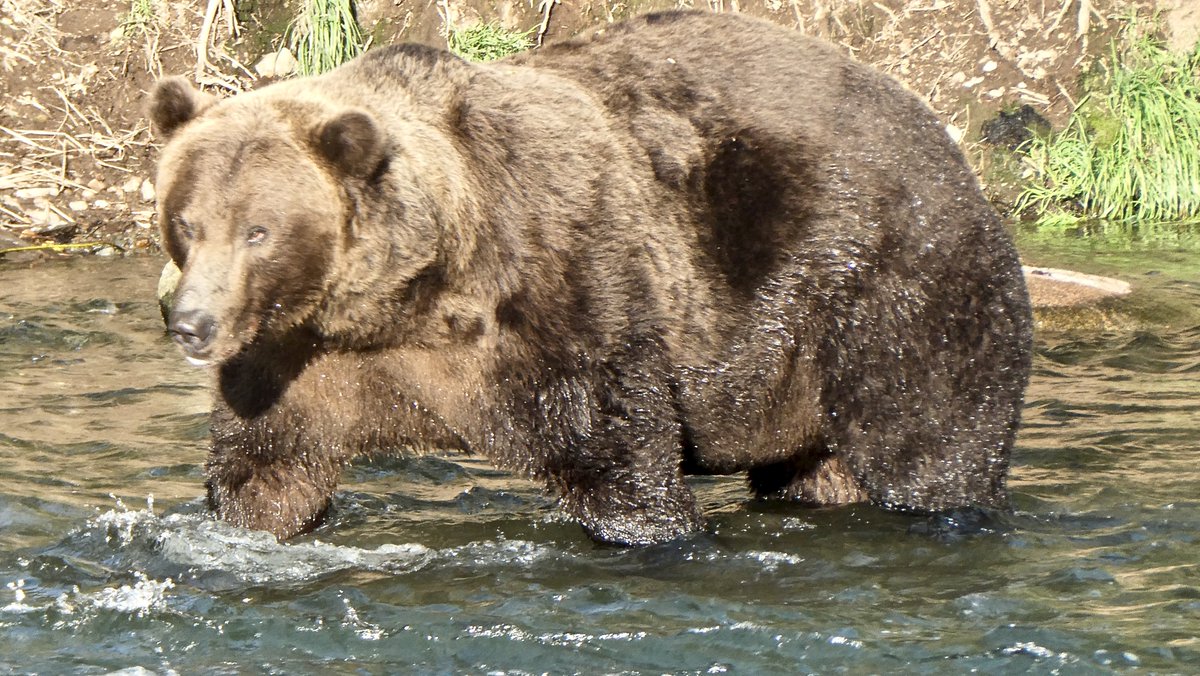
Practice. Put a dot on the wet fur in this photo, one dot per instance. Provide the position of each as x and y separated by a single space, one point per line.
694 243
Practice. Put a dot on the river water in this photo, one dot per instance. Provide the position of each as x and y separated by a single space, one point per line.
445 565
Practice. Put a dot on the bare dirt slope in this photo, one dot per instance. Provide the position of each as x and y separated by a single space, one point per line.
76 156
1183 21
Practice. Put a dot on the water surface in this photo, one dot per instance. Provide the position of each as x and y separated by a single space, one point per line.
445 565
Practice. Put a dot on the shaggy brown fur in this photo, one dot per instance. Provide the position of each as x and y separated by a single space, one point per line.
692 244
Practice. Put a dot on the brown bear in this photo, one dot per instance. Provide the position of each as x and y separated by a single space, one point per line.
689 244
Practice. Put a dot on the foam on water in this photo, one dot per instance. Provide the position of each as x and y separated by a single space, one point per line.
143 597
199 543
18 605
258 558
139 599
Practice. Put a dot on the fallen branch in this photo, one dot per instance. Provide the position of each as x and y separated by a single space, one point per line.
1058 19
60 248
985 16
17 218
22 138
1083 22
17 55
795 11
210 17
202 63
544 7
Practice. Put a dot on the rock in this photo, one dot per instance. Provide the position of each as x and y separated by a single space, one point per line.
1183 23
1011 129
276 64
1052 287
96 185
134 183
34 193
147 191
46 220
77 205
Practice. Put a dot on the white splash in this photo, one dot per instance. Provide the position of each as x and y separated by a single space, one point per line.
502 552
257 557
18 604
121 521
771 561
201 543
367 631
140 598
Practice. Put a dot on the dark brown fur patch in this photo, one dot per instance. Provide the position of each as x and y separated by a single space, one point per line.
173 103
750 184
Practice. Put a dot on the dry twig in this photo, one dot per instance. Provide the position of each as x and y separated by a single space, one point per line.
544 7
985 16
203 65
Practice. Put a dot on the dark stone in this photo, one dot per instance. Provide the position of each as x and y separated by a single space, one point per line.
1011 129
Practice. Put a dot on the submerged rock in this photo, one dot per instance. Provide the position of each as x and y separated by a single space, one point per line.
1053 287
1066 300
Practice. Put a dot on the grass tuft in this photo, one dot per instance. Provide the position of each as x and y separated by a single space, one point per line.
325 35
487 41
142 19
1131 151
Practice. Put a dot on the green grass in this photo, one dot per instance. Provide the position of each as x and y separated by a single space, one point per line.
487 41
325 35
1131 151
141 19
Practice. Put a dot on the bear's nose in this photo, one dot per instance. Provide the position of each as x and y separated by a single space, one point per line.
192 330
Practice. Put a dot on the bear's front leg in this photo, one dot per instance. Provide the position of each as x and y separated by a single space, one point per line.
621 478
632 505
277 497
612 445
277 484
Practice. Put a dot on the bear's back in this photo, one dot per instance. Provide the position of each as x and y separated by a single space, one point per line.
766 133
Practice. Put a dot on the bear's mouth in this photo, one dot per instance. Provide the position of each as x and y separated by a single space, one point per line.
214 354
206 356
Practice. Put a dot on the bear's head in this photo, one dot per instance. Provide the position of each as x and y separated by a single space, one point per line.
260 198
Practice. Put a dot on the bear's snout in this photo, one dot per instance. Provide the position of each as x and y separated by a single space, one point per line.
193 330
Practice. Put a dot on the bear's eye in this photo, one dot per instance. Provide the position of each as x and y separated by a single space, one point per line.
256 235
186 229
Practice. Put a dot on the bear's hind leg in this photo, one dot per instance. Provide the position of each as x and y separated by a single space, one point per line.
819 479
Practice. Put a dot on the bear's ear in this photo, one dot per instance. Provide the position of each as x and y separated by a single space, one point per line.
352 142
173 103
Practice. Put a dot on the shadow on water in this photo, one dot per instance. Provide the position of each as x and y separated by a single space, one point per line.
444 565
